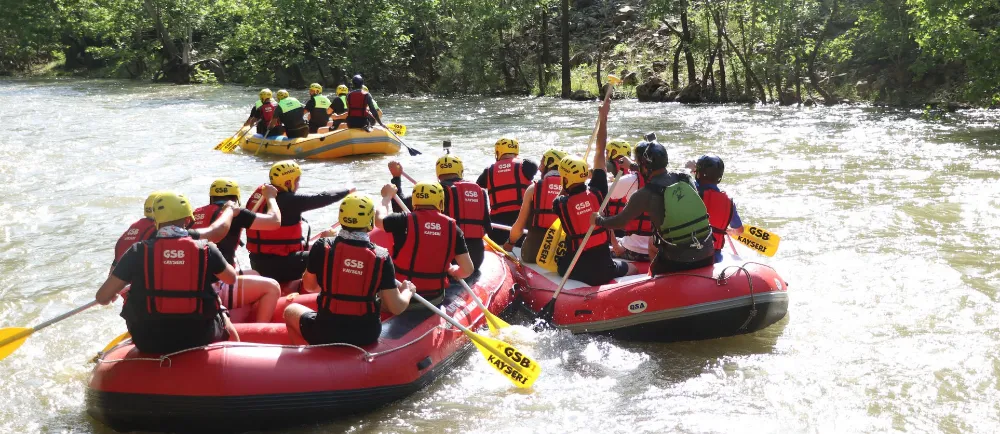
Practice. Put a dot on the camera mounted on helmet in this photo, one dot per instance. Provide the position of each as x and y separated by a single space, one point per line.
650 155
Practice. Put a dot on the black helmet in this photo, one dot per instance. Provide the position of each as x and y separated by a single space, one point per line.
650 154
357 81
710 168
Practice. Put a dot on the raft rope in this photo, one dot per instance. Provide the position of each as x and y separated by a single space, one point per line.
165 360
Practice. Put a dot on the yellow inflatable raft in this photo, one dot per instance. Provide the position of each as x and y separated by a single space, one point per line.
336 144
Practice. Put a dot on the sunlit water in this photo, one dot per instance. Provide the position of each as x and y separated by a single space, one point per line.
888 221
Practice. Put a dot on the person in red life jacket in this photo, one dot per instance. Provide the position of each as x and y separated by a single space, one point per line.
361 107
464 201
354 278
722 214
289 115
428 246
250 288
536 213
632 242
262 112
574 209
667 256
144 228
171 305
280 253
507 180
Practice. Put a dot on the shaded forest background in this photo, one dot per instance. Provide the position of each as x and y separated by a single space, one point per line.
898 52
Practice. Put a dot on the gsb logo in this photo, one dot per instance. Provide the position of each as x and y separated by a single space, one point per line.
173 254
758 232
354 263
582 206
471 193
432 226
221 190
517 357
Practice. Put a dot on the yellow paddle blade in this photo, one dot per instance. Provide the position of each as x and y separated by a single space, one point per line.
11 339
614 80
512 363
399 129
553 244
495 323
496 247
115 341
759 239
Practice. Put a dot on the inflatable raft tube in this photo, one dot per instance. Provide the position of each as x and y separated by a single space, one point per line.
731 298
336 144
267 382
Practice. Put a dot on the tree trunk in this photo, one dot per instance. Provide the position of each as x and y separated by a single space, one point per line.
567 85
676 81
746 66
798 80
722 63
687 40
543 55
828 97
599 58
746 54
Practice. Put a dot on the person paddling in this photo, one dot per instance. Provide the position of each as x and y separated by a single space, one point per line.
317 109
171 304
289 116
428 246
536 213
361 106
464 201
722 214
262 112
250 287
339 107
353 277
280 253
507 181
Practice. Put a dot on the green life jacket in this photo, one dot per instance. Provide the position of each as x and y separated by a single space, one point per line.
322 101
289 104
685 218
343 99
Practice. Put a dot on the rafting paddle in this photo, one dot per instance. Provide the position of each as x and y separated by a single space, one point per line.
510 362
550 307
413 152
760 240
11 338
397 128
612 81
116 341
495 324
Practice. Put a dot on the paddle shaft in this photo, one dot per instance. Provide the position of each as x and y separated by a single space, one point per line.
49 322
334 226
732 245
474 297
409 178
583 244
408 148
400 203
597 126
469 333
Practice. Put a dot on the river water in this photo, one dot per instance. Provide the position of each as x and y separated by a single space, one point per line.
889 247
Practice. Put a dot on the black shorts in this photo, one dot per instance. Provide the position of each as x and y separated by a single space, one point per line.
334 330
296 132
595 267
280 268
500 236
168 336
477 248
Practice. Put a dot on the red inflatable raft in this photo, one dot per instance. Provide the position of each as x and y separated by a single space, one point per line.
268 382
731 298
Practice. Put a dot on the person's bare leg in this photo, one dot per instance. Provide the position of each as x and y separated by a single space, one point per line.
293 314
260 290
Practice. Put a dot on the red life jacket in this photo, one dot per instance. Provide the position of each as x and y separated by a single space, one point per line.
465 202
282 241
204 216
616 206
641 225
547 190
267 112
507 183
720 213
142 230
427 252
357 104
175 278
576 210
350 280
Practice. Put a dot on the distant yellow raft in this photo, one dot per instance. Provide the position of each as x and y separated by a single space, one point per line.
337 144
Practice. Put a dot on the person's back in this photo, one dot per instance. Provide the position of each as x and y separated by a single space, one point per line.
536 213
360 106
262 112
290 112
318 108
466 203
141 230
722 213
506 181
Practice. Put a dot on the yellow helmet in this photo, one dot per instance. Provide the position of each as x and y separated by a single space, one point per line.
284 175
342 90
506 146
147 206
170 206
617 149
224 187
364 88
573 170
449 164
551 158
428 194
317 87
282 94
265 94
357 211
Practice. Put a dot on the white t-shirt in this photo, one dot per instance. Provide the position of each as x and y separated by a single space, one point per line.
627 186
